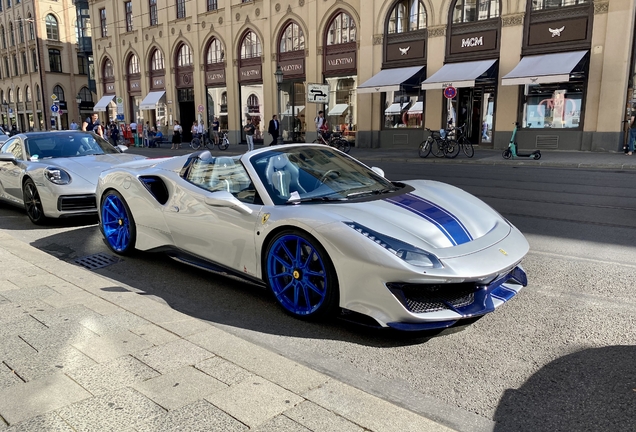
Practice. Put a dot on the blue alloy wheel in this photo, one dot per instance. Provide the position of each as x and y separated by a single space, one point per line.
301 276
118 225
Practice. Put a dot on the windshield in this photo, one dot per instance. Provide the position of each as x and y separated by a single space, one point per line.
64 145
316 174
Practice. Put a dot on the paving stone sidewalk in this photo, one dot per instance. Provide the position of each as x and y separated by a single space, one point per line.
80 352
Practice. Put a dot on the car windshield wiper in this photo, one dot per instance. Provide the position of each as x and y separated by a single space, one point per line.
371 192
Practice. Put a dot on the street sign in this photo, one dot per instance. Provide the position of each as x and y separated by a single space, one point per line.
10 110
120 104
120 117
55 109
318 93
450 92
201 108
54 97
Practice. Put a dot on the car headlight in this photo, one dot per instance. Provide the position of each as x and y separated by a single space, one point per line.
57 176
410 254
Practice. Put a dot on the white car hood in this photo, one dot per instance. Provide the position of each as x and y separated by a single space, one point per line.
90 167
436 217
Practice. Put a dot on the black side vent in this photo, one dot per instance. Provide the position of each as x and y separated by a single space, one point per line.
156 187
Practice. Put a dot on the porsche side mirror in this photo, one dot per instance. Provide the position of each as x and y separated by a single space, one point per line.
122 148
7 157
227 200
378 171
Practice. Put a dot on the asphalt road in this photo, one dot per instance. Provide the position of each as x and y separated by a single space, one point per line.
560 356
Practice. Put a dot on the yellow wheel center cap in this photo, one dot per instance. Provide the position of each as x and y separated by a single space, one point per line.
296 274
121 222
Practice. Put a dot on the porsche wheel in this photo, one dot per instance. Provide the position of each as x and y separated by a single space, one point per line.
301 275
32 202
117 224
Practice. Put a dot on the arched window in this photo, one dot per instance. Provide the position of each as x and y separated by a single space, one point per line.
549 4
59 92
86 95
27 92
3 36
252 104
406 16
31 28
342 30
251 46
224 98
52 30
109 72
184 56
20 30
10 96
18 92
475 10
215 52
133 65
156 61
11 34
292 38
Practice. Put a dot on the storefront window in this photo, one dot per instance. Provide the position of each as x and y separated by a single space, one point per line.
406 16
475 10
217 106
251 107
555 106
293 117
341 112
403 109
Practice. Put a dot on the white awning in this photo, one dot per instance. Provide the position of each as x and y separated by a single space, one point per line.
461 74
388 80
417 108
102 104
546 68
395 109
151 100
338 110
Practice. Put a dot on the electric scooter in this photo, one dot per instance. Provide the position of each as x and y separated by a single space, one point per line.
511 151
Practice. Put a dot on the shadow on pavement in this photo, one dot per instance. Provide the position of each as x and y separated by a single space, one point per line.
219 299
591 390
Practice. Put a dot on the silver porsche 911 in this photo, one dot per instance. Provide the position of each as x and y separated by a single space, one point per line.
54 174
322 231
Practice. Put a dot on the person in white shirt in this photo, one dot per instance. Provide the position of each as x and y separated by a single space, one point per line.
74 126
319 120
200 128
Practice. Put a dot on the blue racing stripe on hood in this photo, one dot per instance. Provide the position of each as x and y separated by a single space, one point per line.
447 223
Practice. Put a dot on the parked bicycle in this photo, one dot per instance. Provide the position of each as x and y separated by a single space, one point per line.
335 140
463 142
204 140
440 146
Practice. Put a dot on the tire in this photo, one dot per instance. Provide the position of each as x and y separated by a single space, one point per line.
33 203
343 145
537 156
117 223
468 148
507 154
195 143
301 276
224 144
209 144
425 148
452 149
437 149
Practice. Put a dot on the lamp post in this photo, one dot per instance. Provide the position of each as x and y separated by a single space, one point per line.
278 75
78 99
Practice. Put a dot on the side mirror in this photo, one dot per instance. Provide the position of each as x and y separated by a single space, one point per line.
122 148
227 200
7 157
378 171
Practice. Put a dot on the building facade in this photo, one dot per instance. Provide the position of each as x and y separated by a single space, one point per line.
381 70
39 64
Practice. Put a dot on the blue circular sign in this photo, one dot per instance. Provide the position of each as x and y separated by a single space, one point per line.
55 108
450 92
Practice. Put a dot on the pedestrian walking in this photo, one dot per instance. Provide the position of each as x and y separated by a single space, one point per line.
632 133
74 126
274 129
176 136
146 134
249 134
